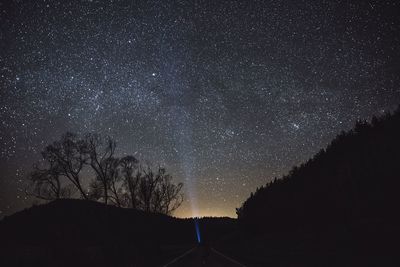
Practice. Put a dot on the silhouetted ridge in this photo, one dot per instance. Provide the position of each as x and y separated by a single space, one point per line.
355 178
80 221
343 202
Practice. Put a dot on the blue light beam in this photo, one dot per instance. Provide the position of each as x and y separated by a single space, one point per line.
196 225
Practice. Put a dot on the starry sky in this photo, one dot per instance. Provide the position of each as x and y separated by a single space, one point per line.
226 94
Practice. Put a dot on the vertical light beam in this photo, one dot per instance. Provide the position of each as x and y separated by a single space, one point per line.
196 225
183 139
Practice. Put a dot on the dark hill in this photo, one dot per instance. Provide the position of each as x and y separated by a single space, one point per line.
74 232
340 208
83 223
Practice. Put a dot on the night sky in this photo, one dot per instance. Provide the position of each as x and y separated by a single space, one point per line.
226 94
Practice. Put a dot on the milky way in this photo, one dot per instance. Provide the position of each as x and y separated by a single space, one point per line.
226 94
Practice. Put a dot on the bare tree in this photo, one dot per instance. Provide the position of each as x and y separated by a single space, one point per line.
147 186
101 153
66 158
45 184
157 193
171 196
131 176
114 176
120 181
95 190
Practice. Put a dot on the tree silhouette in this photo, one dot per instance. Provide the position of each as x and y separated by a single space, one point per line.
131 177
156 192
45 184
168 195
101 153
65 158
114 176
119 181
355 178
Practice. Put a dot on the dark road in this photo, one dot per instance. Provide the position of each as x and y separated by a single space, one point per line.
203 256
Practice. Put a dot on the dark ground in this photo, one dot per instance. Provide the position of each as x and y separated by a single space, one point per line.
203 255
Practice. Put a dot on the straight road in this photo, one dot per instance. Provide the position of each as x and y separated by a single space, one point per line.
203 256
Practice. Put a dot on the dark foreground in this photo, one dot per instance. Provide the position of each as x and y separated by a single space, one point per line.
203 256
83 233
79 233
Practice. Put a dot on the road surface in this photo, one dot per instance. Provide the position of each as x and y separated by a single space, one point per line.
203 256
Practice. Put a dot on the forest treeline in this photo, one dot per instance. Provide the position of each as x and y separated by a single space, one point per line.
88 167
340 208
356 178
